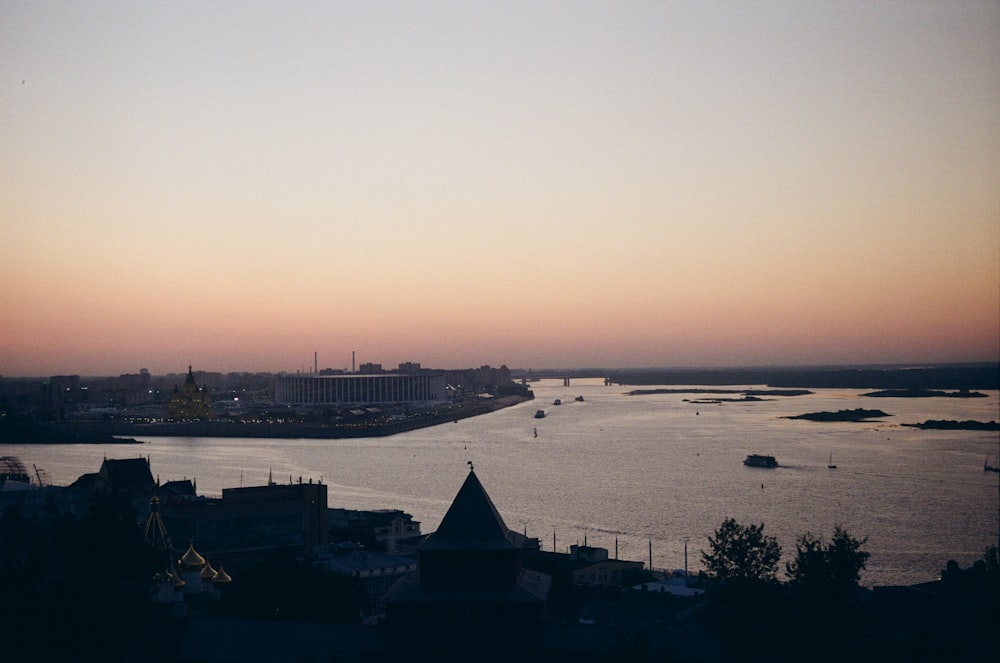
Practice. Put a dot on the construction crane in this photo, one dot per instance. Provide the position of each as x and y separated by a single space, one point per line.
40 475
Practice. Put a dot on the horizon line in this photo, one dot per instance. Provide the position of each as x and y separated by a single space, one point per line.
989 363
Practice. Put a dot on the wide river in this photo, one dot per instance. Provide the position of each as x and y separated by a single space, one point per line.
652 471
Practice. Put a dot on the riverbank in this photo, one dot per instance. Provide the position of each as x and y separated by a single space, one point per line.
111 431
24 430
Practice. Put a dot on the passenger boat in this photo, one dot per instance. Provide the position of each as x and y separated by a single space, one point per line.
758 460
539 414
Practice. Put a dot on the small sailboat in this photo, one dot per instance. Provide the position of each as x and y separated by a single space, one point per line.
830 464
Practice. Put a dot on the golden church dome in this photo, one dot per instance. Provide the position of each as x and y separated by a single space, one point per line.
208 573
222 578
191 559
176 580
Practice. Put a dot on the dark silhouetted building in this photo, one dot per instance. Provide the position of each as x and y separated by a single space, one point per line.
471 593
247 523
381 529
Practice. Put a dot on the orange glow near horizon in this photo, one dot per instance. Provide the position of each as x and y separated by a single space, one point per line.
771 197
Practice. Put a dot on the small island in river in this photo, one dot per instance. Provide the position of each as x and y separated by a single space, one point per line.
719 401
747 392
924 393
858 414
947 424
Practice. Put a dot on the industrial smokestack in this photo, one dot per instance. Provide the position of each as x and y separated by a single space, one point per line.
352 361
316 362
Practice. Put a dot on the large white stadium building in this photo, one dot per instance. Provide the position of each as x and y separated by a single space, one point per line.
351 389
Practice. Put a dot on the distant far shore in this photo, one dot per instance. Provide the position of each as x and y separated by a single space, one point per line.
121 432
958 377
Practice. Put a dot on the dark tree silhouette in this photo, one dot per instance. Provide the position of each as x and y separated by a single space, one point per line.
824 605
746 605
741 552
832 569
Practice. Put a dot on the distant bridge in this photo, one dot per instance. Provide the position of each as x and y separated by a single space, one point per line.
564 376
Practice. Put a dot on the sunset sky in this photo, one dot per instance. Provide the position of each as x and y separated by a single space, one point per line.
237 185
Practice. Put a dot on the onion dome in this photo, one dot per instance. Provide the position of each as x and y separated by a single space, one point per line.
221 578
208 573
191 560
176 580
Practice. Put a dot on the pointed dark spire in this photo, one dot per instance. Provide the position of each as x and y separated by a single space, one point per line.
471 523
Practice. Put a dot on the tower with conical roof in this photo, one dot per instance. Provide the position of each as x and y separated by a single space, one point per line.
472 544
472 593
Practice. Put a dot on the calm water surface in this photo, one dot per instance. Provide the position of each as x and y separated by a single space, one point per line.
656 469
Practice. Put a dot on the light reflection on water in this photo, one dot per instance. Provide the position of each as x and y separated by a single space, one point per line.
646 469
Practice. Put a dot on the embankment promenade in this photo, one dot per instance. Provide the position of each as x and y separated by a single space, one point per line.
110 430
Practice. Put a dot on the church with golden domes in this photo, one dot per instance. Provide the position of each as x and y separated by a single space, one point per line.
189 402
191 574
198 575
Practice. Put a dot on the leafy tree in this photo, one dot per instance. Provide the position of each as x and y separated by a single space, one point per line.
832 569
823 589
748 606
984 572
741 552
